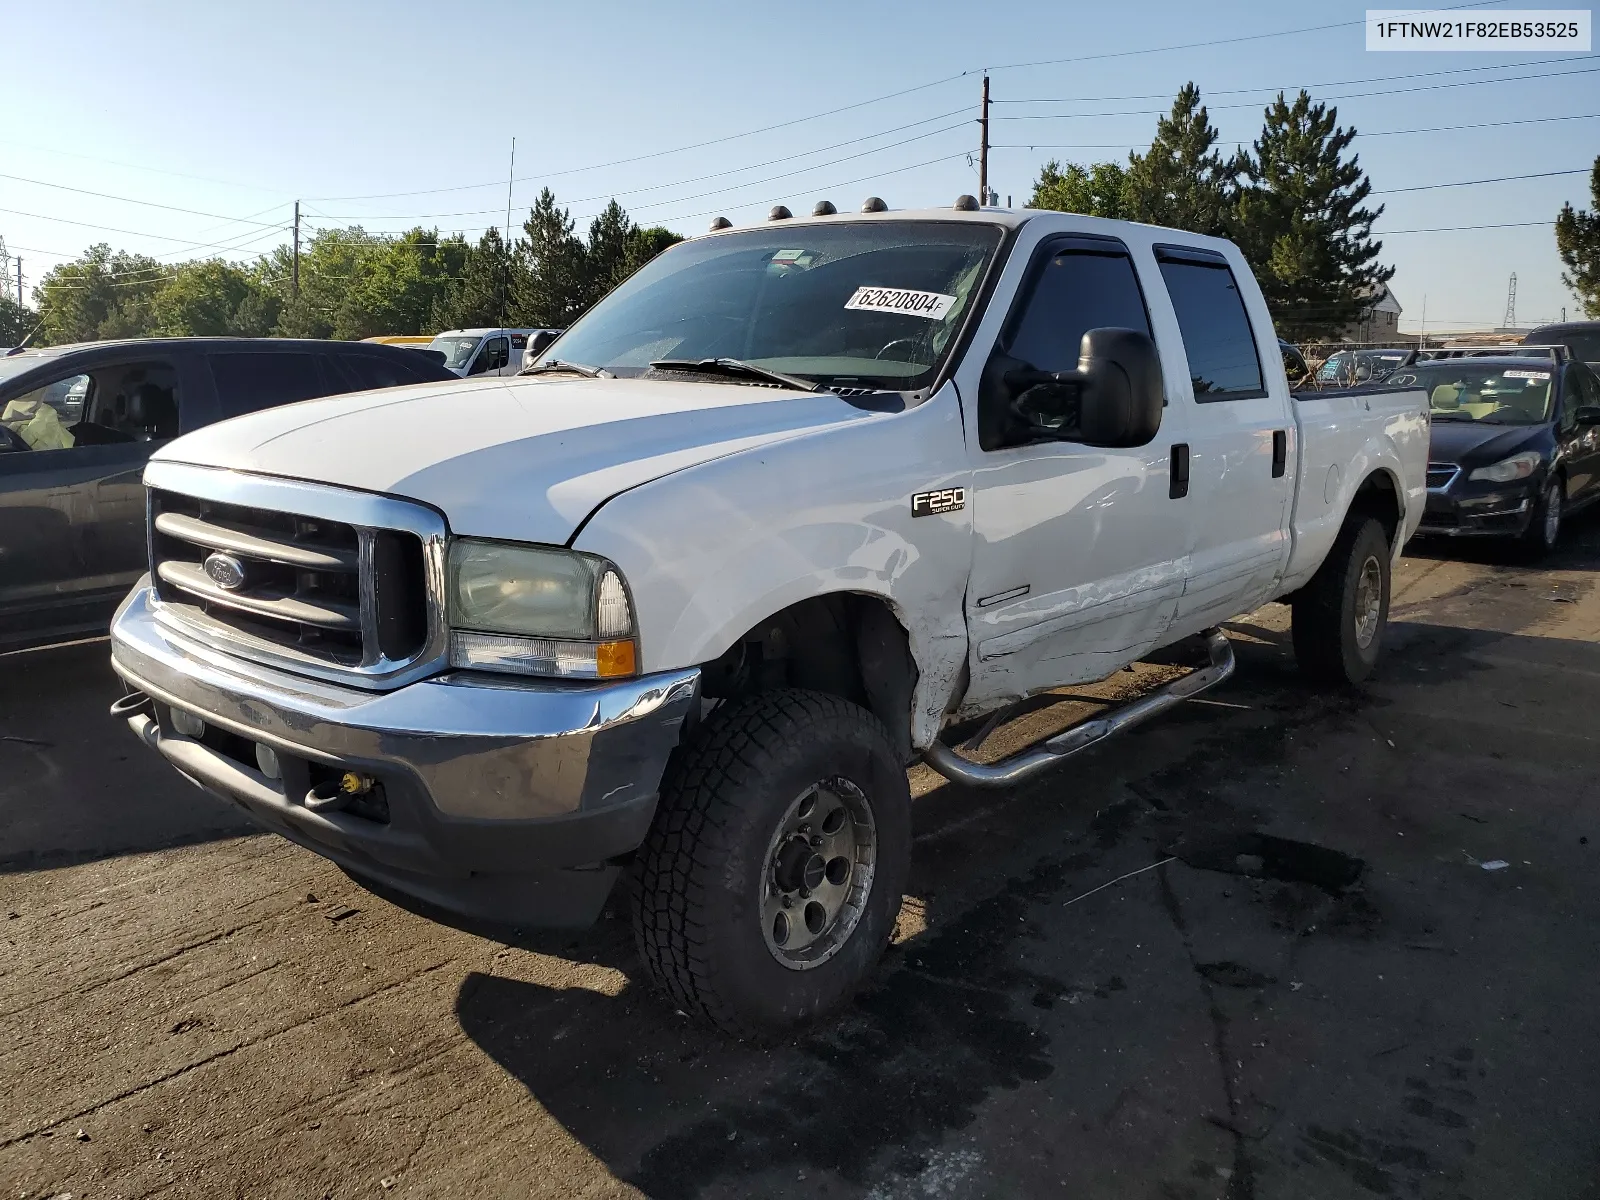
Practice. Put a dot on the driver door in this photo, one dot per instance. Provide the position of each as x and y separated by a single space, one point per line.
1079 552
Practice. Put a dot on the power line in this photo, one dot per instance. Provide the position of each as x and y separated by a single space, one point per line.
1431 87
1428 187
1459 228
161 237
1294 87
130 200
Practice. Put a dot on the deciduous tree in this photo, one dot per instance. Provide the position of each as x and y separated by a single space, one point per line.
1100 190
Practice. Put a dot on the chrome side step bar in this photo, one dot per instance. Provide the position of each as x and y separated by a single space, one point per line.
1027 763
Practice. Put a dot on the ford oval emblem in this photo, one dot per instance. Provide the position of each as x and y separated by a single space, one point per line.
224 570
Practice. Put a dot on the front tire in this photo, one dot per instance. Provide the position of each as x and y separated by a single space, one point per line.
768 885
1544 526
1341 615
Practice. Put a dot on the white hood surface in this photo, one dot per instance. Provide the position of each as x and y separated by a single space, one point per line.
520 459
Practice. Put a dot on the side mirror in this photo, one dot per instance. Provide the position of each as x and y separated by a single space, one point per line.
1588 414
538 342
1113 399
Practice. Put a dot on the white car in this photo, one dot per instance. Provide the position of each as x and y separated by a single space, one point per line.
686 601
489 351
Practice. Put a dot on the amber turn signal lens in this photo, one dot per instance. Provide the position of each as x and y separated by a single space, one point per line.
613 660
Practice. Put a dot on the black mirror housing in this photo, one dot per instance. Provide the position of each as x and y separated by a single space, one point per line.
1588 414
1123 390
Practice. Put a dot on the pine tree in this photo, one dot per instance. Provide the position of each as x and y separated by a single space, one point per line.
1300 220
1578 241
482 292
1100 190
1182 181
551 292
606 257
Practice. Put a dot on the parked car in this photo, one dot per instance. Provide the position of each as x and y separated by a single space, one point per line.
1352 368
77 424
687 601
489 351
1580 337
1515 445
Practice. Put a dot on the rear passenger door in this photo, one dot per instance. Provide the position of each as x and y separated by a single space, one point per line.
1242 450
249 380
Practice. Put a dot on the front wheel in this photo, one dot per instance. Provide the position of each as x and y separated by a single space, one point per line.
768 885
1544 526
1341 615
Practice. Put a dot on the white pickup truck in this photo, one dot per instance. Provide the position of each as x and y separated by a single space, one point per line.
684 602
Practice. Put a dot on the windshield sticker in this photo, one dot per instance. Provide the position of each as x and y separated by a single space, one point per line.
1527 374
932 305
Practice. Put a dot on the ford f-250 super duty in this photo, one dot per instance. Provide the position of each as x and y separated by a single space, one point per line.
684 602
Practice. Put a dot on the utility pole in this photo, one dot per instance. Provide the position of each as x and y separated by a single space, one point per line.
1422 338
294 287
983 147
1511 303
19 281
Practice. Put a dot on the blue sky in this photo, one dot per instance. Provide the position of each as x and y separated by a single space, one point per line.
233 112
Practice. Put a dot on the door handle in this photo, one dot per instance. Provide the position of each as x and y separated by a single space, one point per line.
1178 485
1280 452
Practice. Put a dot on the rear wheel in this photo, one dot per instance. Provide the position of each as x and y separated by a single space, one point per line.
768 885
1544 526
1341 615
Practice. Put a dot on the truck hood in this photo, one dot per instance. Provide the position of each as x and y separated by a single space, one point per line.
519 459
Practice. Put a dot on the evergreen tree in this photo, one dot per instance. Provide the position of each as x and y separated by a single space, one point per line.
1578 241
1182 181
1301 221
1100 190
551 293
606 256
482 292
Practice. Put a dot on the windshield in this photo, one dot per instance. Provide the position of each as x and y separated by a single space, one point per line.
457 351
857 305
1461 390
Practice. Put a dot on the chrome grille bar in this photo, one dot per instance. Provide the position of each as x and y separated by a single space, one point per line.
324 615
256 544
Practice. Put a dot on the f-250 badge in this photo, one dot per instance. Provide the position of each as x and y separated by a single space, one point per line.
930 504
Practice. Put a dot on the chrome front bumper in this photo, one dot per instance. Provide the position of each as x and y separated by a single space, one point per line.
505 798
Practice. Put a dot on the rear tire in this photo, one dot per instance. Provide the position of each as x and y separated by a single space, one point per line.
1544 526
1341 615
788 795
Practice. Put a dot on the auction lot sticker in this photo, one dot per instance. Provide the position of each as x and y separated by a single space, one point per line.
932 305
1498 29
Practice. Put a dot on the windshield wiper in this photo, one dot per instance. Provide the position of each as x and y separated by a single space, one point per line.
1439 416
556 364
737 368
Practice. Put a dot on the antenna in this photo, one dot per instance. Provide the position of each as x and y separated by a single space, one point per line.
1511 303
505 276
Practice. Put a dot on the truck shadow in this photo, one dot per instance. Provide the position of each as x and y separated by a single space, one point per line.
960 1013
74 784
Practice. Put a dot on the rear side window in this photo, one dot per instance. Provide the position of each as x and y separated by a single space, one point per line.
1217 337
248 381
368 371
1074 293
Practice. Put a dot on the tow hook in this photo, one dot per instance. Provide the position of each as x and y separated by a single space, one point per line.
330 795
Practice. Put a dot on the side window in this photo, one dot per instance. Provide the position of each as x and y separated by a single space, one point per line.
370 371
43 418
1074 293
1217 336
1573 397
248 381
131 402
495 354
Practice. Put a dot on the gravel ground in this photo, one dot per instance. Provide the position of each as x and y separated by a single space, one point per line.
1305 981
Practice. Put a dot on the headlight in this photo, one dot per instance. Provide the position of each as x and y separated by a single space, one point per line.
1518 466
536 610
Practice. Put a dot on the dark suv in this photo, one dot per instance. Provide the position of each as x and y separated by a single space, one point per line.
77 424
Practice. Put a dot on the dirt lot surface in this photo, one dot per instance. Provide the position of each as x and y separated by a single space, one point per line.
1307 982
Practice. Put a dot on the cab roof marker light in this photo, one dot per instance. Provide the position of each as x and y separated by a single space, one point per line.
824 208
873 204
965 203
720 223
779 213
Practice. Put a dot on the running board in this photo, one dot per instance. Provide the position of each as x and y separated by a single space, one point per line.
1027 763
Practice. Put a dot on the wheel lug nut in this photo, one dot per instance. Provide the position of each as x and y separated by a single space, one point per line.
805 827
788 901
815 840
805 893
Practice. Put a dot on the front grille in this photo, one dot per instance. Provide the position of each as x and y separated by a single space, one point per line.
1442 475
345 595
